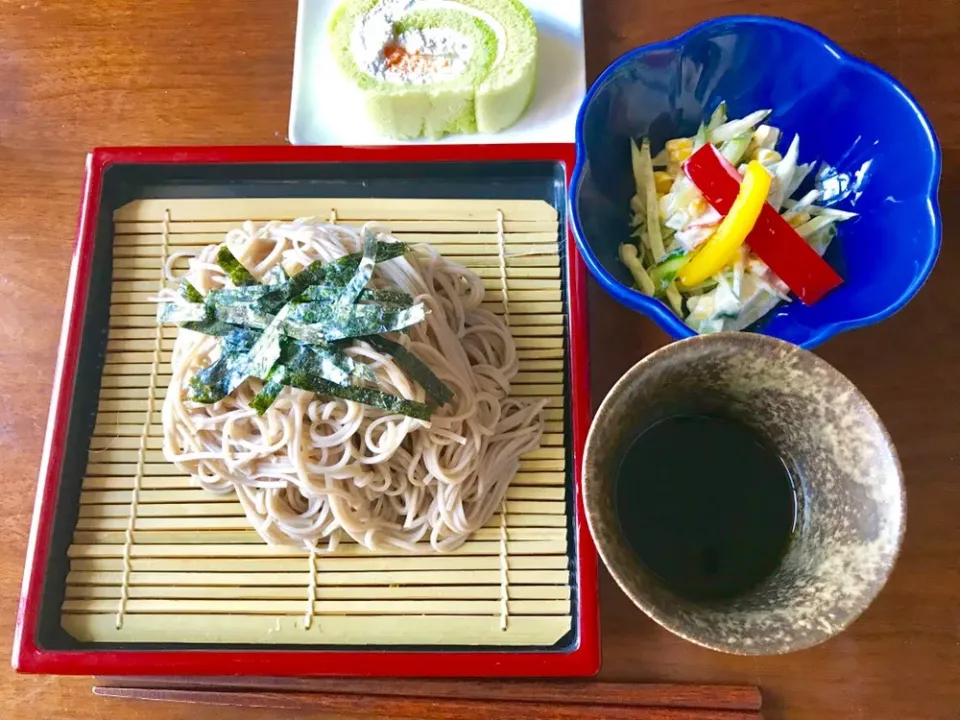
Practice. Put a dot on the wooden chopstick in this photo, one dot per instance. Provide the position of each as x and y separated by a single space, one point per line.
422 708
672 695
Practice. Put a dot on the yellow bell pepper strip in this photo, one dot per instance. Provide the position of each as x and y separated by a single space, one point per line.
721 249
772 239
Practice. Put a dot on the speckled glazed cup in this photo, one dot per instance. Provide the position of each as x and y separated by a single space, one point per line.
851 504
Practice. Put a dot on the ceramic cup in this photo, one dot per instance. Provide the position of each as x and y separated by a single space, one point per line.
850 487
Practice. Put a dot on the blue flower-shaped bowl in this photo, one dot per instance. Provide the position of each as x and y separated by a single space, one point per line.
849 114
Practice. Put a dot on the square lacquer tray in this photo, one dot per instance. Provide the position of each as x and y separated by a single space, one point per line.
133 570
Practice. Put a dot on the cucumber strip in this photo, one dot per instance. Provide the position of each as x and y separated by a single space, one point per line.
663 273
735 149
706 286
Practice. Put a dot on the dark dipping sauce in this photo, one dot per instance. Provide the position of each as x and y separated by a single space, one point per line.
705 505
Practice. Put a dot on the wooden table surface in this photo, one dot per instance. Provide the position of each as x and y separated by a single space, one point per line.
74 75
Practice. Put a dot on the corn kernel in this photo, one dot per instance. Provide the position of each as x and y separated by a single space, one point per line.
798 219
767 157
663 182
679 144
698 206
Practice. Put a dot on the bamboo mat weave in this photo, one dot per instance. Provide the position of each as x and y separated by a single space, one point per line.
156 559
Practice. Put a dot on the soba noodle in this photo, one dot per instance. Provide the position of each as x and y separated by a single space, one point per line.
312 468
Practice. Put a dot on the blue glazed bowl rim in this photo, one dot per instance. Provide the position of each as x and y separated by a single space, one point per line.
657 310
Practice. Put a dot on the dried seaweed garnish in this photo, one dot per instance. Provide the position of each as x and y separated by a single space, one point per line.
215 382
336 273
210 326
188 292
272 385
172 312
329 294
275 276
340 271
292 331
244 353
387 297
364 274
365 396
280 294
327 363
339 322
413 366
237 273
232 296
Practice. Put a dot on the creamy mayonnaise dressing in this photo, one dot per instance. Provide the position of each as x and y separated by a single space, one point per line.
416 57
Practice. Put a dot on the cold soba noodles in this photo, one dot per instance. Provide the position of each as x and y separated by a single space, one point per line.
405 436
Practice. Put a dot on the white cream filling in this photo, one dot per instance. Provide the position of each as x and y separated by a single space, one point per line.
416 56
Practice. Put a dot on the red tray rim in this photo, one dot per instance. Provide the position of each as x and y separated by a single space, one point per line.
29 657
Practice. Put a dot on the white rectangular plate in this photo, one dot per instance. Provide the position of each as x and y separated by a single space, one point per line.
322 111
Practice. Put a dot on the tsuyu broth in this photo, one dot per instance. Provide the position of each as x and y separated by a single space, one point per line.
705 504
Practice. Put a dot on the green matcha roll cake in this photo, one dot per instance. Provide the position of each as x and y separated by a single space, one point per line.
427 68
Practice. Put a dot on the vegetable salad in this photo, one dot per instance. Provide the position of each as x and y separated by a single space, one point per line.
694 249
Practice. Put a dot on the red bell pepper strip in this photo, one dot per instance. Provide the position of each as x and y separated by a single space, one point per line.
807 274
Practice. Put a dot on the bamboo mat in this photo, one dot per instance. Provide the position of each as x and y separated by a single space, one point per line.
155 559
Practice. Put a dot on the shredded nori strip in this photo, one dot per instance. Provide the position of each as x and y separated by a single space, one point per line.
227 297
299 362
339 322
189 293
280 294
210 326
281 331
336 273
275 276
244 353
172 312
340 271
214 383
387 297
440 393
329 293
365 396
237 273
272 385
364 274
